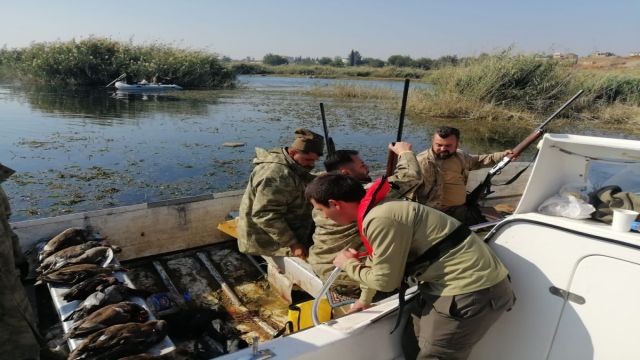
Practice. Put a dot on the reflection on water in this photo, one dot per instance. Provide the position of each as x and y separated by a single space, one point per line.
82 149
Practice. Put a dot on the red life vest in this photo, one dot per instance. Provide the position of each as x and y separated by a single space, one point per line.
376 193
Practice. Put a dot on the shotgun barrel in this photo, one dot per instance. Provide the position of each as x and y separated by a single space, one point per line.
392 158
484 188
331 147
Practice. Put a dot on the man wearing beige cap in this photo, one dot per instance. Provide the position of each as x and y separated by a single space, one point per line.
275 219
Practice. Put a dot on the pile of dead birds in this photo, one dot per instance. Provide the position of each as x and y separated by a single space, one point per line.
107 322
111 324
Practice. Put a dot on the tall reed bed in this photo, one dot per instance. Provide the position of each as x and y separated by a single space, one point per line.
97 61
523 88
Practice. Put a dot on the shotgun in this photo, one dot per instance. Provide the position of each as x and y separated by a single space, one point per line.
484 188
331 147
392 158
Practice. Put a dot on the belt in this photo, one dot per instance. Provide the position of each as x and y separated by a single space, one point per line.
431 255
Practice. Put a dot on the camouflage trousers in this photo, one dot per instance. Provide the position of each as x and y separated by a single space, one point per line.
17 340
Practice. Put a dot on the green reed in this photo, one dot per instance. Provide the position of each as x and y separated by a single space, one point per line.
97 61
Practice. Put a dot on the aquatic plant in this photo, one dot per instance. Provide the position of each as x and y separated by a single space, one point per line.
97 61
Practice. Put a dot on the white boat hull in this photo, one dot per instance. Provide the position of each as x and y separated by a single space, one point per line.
146 87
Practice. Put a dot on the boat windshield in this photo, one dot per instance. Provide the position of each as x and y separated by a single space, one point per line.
602 173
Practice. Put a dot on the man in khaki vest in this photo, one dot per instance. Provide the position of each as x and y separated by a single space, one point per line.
275 219
17 321
445 170
463 290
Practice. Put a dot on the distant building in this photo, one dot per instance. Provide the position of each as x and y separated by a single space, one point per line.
603 54
635 54
564 55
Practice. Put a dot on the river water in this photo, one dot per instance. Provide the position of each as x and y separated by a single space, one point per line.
87 149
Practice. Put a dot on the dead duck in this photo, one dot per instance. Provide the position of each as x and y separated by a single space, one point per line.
74 274
90 252
121 340
99 299
81 290
119 313
70 237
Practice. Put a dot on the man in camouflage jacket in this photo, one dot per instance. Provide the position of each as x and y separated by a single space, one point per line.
17 321
329 237
275 219
445 170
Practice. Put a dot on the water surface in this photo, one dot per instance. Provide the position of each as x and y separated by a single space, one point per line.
88 149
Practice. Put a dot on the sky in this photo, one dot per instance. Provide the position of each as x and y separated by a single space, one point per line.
375 28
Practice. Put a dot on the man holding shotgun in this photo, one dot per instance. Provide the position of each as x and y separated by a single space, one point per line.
445 170
329 237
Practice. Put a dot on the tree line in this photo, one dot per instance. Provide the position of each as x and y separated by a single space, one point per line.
356 59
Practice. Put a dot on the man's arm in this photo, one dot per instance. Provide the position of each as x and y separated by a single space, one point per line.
269 209
475 162
407 175
385 269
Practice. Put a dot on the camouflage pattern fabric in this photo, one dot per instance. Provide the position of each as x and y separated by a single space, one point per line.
274 213
17 340
330 238
612 197
430 191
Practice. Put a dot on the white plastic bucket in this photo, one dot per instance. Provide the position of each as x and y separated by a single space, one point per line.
622 219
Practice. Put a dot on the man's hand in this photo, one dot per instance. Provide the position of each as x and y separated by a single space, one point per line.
509 153
400 147
358 306
343 256
299 250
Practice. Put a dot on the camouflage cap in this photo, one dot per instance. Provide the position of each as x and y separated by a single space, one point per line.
308 141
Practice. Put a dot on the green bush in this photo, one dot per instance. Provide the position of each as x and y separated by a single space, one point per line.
248 69
97 61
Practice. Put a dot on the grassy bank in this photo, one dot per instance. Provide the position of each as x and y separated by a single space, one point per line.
522 89
97 61
516 91
330 72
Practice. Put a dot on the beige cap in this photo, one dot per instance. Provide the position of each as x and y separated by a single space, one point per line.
308 141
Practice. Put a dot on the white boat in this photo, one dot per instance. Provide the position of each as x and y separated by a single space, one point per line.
120 85
573 278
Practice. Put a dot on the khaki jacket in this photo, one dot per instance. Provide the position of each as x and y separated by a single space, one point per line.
16 338
274 213
430 192
400 231
330 238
